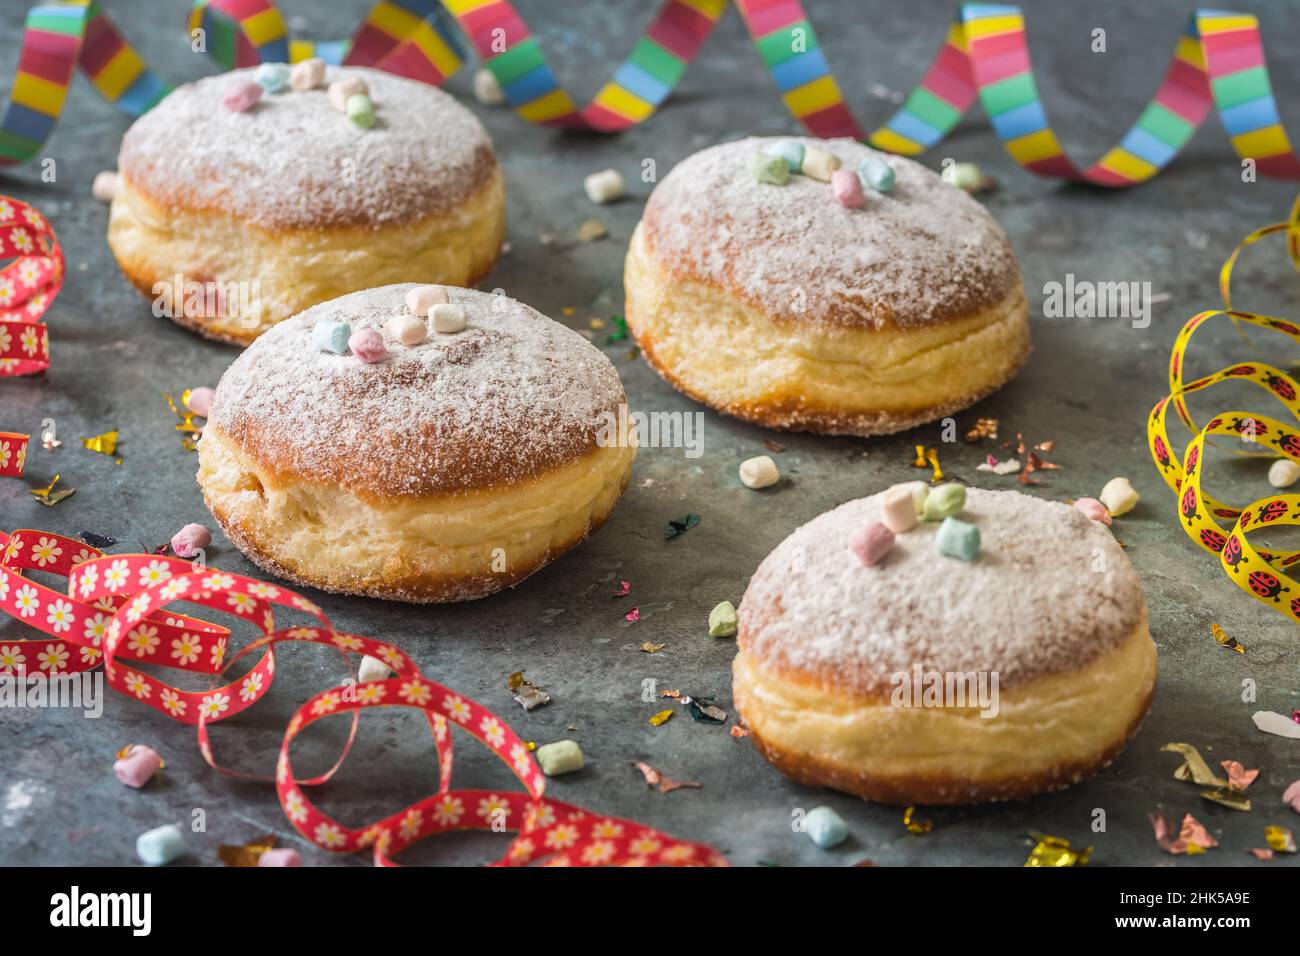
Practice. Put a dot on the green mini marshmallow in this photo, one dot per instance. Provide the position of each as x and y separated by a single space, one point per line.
770 169
360 110
722 620
563 756
944 501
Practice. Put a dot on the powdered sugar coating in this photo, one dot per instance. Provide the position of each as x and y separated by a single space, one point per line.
293 161
1032 605
513 395
921 254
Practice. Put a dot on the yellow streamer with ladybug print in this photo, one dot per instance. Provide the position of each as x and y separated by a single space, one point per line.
1217 527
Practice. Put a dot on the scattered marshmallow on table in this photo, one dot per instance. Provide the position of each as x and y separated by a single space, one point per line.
898 509
424 297
789 150
340 91
563 756
768 169
241 96
604 186
104 185
872 543
819 164
372 668
1119 496
944 501
847 189
360 110
1283 473
957 539
447 318
759 472
722 620
407 329
187 542
825 827
367 345
282 856
1094 509
331 336
307 74
161 845
487 88
272 77
138 766
199 400
876 173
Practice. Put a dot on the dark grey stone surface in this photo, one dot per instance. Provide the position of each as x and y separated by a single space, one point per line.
1088 386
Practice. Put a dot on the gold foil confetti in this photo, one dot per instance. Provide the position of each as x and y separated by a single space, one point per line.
661 718
983 428
1194 767
775 447
48 496
1226 796
1239 778
674 694
738 731
1045 447
932 457
1055 851
190 432
650 647
527 694
1260 854
653 779
596 323
916 823
1279 839
1231 643
1192 838
248 854
920 457
591 230
105 444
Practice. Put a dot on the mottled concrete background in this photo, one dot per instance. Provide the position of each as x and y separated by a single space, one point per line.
1088 386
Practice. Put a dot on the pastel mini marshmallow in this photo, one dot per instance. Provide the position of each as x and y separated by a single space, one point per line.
759 472
407 329
872 543
330 336
487 88
1094 509
723 620
104 186
423 298
1291 796
340 90
898 509
447 318
199 400
919 490
161 845
367 345
360 110
958 539
825 827
138 766
768 169
791 151
187 542
876 173
372 669
847 189
604 186
272 77
241 96
1119 496
563 756
280 856
819 164
1283 473
944 501
307 74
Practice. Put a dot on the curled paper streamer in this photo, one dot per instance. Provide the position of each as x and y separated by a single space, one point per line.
28 284
1218 62
114 612
1264 575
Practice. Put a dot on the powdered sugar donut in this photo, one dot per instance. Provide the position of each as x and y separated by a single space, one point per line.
447 471
232 221
853 677
781 305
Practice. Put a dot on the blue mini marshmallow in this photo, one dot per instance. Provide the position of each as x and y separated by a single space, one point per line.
957 539
790 151
331 336
876 173
825 827
272 77
160 846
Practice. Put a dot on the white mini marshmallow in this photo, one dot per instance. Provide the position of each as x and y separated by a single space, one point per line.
604 186
1118 496
340 90
1283 473
447 318
424 297
487 88
407 329
759 472
372 668
104 187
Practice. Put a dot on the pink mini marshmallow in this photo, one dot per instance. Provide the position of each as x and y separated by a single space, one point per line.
138 766
241 96
199 401
368 345
424 297
1292 796
873 542
847 188
339 91
1094 509
898 508
187 542
281 857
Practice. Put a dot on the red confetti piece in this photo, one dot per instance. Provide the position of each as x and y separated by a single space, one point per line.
633 615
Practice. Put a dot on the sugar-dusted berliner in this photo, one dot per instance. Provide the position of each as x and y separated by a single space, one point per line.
851 675
776 302
234 219
442 469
